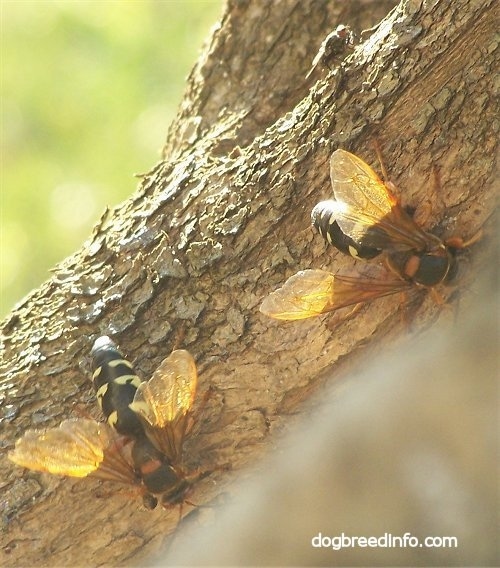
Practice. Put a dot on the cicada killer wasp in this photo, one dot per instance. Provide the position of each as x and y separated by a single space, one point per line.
364 220
141 443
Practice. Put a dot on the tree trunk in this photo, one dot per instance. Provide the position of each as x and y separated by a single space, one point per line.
222 221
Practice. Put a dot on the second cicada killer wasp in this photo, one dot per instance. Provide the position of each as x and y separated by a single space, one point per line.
364 220
141 443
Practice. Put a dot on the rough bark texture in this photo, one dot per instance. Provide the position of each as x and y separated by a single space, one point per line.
222 221
393 452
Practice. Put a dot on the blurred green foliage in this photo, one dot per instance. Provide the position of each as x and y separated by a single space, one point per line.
88 91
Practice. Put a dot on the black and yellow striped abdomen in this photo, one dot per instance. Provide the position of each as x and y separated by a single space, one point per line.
115 383
323 219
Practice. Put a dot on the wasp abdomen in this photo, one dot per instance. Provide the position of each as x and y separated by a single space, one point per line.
323 218
115 383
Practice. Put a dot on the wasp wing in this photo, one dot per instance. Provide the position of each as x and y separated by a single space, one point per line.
311 293
366 209
77 448
164 402
305 294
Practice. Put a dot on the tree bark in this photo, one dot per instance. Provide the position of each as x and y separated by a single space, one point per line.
222 220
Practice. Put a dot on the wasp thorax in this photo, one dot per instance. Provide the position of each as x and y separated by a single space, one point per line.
424 268
434 267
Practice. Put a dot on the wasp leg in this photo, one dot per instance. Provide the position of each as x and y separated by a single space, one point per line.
387 182
206 397
459 243
438 298
424 211
179 336
404 319
78 409
195 425
378 150
335 319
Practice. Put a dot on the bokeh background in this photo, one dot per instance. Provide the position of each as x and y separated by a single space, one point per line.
87 93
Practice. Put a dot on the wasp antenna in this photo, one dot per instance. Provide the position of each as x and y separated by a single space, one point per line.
459 243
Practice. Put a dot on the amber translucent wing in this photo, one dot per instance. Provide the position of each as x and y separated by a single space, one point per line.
164 402
170 391
367 210
311 293
305 294
77 448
